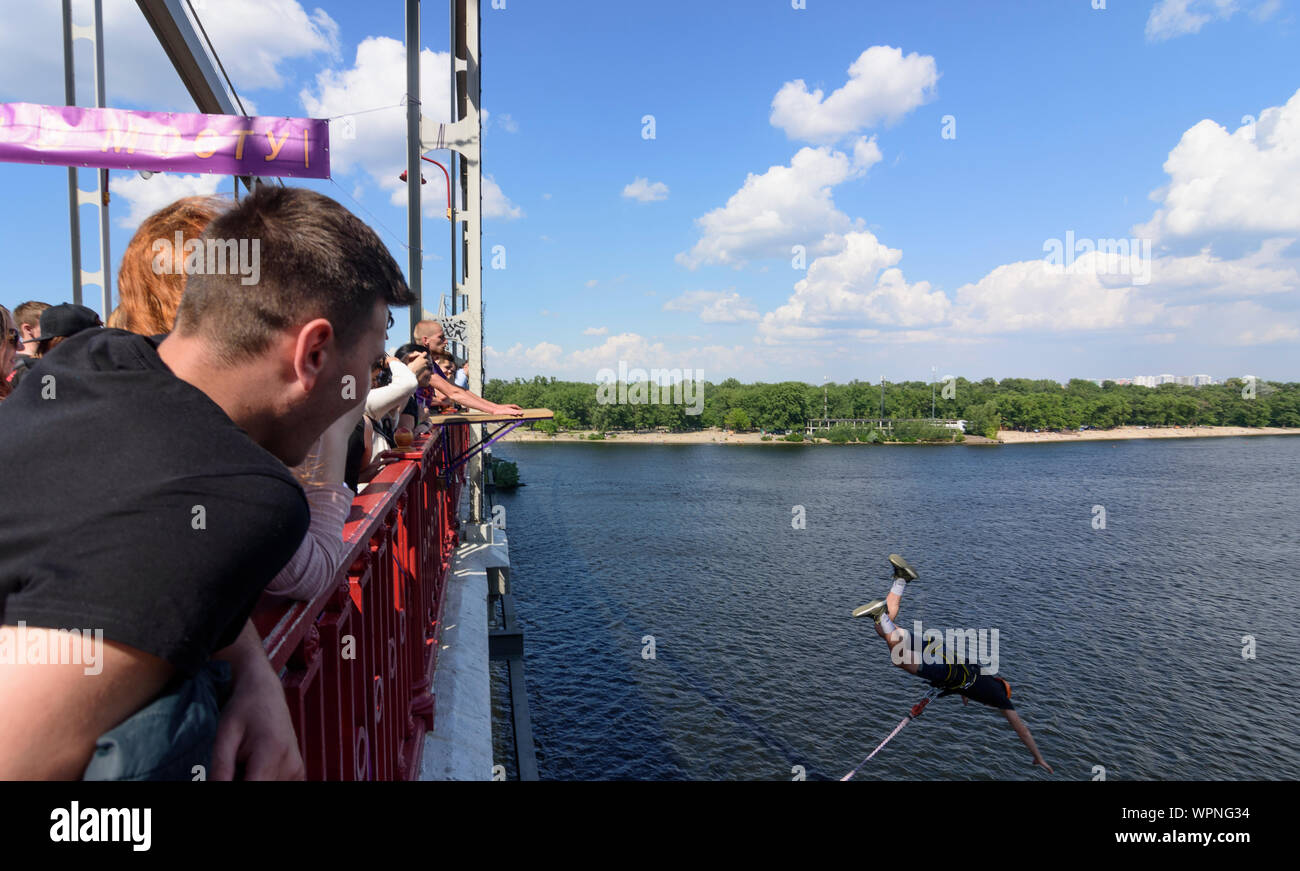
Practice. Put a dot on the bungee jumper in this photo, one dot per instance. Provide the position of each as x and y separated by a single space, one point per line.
945 673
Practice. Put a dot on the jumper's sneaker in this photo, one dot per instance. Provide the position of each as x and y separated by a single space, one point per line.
873 610
901 568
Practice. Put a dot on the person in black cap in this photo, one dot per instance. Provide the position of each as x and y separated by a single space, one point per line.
58 322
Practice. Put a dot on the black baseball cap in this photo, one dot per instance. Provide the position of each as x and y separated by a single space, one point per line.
67 319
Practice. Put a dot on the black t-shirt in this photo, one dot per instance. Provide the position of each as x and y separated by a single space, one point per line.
152 516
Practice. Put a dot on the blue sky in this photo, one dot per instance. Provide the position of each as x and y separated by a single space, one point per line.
775 127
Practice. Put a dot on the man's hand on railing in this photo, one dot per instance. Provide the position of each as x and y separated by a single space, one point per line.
506 409
255 731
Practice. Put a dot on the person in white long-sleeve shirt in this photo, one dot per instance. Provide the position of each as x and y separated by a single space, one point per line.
384 404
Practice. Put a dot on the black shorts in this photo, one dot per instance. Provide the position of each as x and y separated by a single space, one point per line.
990 690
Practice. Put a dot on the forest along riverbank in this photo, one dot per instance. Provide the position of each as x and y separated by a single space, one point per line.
1010 437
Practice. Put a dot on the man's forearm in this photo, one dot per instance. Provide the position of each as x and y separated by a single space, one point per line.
461 396
1023 731
246 653
255 735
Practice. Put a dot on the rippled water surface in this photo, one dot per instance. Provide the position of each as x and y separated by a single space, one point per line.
1123 645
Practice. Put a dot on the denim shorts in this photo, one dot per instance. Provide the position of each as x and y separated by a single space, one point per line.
169 737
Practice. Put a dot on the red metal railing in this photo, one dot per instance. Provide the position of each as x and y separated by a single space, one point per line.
357 662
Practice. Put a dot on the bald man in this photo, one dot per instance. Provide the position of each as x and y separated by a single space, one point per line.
430 334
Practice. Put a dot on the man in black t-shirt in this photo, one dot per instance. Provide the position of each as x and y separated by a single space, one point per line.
163 506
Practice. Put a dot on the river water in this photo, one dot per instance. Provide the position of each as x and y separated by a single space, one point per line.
1123 641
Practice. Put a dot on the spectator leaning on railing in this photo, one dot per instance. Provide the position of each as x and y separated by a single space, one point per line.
387 402
431 336
184 511
151 291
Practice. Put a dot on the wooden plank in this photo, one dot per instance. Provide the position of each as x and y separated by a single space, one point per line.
475 417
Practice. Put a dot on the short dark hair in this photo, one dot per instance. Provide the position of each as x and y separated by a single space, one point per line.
315 260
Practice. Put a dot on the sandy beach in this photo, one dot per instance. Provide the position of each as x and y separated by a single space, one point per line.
1012 437
1009 437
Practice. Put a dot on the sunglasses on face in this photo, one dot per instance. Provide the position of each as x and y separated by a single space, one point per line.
15 337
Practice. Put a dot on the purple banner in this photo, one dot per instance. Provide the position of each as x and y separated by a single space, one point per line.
164 141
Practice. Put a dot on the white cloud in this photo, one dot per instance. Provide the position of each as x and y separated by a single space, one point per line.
1170 18
253 38
783 207
1246 181
642 190
146 196
543 355
375 141
1199 296
1035 295
1243 323
496 204
595 331
714 306
883 86
591 282
1263 272
857 288
636 351
1266 10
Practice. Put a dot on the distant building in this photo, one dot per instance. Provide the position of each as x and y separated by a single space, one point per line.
1157 380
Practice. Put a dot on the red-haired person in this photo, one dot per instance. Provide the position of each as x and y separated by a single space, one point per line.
149 286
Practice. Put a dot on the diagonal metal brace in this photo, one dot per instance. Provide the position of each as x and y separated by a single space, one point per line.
466 455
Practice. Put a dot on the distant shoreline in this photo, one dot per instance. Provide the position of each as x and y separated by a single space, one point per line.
1014 437
1006 437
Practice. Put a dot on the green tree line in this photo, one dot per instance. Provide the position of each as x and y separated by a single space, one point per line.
987 405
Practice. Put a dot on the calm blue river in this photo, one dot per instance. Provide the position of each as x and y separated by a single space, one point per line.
1123 645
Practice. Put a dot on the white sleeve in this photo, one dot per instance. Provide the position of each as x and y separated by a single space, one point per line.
381 401
315 565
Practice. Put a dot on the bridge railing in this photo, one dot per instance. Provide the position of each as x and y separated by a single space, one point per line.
357 662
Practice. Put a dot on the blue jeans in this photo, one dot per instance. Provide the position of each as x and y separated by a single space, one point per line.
170 736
